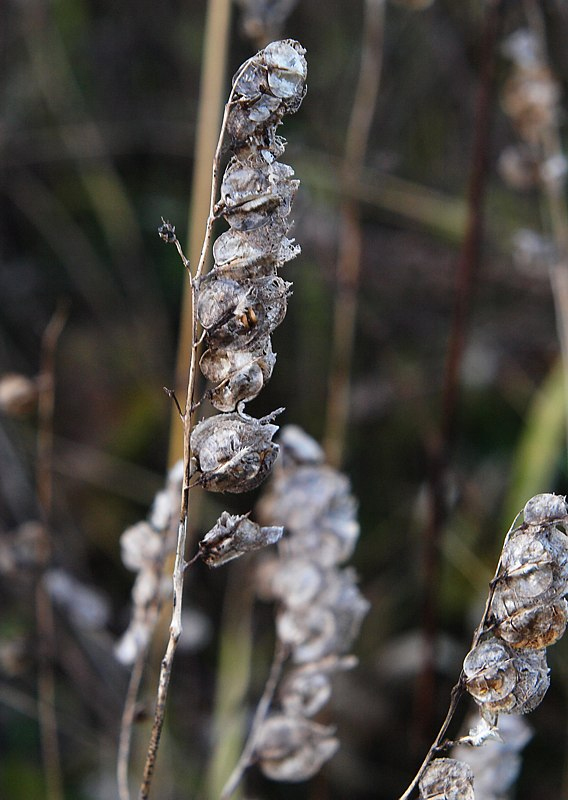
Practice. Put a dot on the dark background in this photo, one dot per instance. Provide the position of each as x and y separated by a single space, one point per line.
99 106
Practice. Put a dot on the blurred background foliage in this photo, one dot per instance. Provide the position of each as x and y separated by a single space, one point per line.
99 112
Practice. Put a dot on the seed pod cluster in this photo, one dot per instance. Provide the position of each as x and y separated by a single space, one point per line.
242 300
496 765
233 536
507 671
447 779
531 100
144 549
320 606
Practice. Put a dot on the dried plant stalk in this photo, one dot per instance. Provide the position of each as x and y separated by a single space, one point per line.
232 451
525 604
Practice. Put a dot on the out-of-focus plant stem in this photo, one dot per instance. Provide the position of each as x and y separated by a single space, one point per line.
180 563
466 272
102 185
211 100
350 234
44 610
232 677
555 211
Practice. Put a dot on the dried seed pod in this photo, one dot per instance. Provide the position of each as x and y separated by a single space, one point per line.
532 684
534 569
233 452
249 195
530 98
239 374
220 364
327 626
233 536
534 628
307 689
292 748
315 503
299 448
298 582
287 70
545 508
447 779
18 394
271 85
248 254
305 692
236 315
489 671
141 547
504 681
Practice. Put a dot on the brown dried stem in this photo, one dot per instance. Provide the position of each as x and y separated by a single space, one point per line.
280 655
350 234
211 97
466 272
554 210
44 610
456 694
126 724
180 563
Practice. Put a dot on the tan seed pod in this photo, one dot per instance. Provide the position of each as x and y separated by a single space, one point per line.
447 779
18 394
489 672
236 315
292 749
534 568
305 692
233 536
534 628
250 254
545 508
504 681
233 452
220 364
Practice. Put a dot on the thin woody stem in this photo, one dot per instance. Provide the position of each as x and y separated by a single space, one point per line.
127 721
280 655
180 563
459 688
44 611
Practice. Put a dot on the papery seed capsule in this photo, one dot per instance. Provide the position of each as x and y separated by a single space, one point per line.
447 779
287 69
489 671
502 680
233 536
534 628
250 195
545 507
305 692
534 568
220 364
292 748
233 452
242 386
235 315
18 394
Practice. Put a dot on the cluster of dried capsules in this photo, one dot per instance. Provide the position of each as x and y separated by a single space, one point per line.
144 548
531 100
242 299
507 671
320 607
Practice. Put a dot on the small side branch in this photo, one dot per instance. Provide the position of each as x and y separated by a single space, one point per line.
280 655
